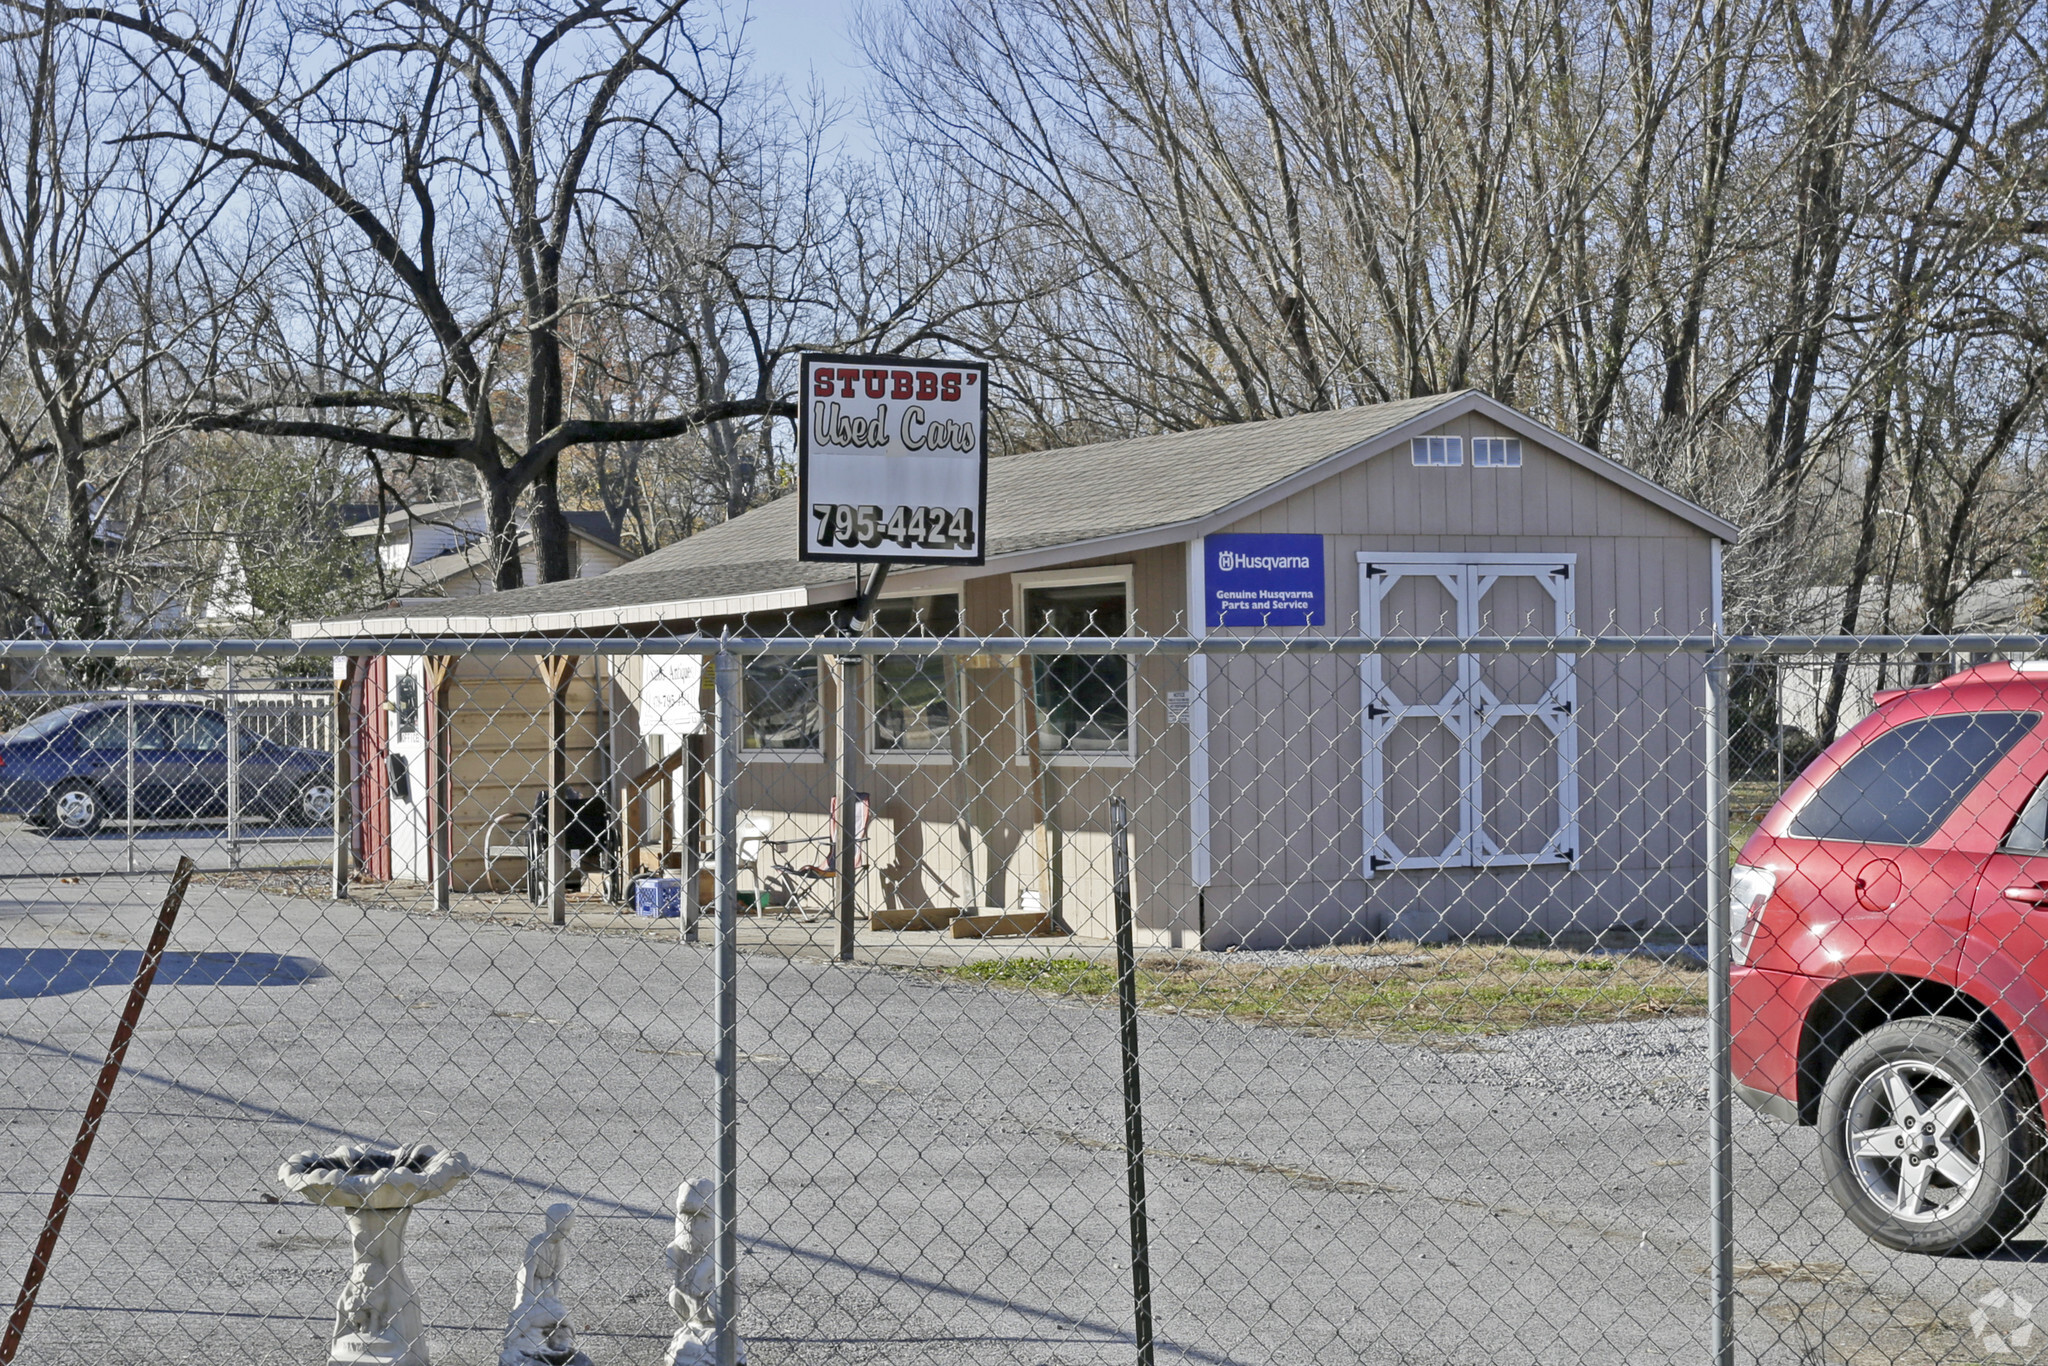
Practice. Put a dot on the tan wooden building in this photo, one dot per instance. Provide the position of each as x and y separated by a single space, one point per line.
1275 799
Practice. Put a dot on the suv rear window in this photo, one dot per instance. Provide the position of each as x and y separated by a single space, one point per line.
1900 787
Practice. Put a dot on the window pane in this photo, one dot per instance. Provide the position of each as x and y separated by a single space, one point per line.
197 730
1083 703
1083 700
408 704
104 730
2030 832
912 696
1095 609
781 702
1439 450
913 706
47 724
1900 787
152 729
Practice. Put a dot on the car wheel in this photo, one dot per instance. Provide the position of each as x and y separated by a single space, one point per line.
1930 1143
314 804
75 808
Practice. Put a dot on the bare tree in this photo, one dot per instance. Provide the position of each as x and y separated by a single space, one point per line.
464 151
101 236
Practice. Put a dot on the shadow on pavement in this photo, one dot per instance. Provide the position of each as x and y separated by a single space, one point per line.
27 973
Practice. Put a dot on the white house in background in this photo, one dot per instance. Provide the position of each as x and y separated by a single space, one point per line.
431 550
1994 607
440 550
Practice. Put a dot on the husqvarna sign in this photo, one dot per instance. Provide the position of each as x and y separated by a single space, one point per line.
892 459
1265 580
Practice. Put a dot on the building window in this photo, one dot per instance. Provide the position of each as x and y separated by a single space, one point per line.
408 706
1083 701
1438 450
779 704
1497 452
913 701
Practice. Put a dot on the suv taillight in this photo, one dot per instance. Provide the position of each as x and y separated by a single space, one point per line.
1748 889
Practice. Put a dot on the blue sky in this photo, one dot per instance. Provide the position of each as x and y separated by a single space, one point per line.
793 38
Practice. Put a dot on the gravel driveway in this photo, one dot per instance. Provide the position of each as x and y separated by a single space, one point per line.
933 1169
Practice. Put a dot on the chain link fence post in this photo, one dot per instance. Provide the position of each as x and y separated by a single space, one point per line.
234 719
845 833
128 778
725 1256
1720 960
339 726
1134 1106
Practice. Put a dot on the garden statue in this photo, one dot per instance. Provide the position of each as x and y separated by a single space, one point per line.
538 1332
694 1284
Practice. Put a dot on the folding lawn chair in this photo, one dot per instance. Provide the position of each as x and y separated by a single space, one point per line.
806 886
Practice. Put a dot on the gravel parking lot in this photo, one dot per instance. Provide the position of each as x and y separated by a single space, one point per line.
933 1169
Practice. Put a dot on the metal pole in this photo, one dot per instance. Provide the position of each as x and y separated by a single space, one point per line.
343 795
847 850
130 778
1134 1112
1720 1095
438 669
1778 712
847 759
726 760
234 768
95 1111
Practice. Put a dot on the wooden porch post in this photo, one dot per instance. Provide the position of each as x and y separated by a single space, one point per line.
557 671
440 677
346 676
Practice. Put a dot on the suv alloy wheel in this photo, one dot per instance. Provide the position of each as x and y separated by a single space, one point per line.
1930 1143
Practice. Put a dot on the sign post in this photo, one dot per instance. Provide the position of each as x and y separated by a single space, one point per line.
892 468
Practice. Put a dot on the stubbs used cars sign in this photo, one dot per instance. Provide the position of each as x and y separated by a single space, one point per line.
892 459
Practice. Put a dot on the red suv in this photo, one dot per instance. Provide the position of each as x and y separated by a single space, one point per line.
1891 984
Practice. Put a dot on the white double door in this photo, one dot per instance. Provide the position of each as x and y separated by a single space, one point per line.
1471 760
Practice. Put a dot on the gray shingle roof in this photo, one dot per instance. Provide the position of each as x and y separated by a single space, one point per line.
1082 493
1036 500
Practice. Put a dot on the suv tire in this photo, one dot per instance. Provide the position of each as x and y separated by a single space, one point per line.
1930 1143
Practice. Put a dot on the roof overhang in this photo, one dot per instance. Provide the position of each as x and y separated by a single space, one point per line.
928 577
1394 438
446 617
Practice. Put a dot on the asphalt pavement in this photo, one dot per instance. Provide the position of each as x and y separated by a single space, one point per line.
932 1170
153 847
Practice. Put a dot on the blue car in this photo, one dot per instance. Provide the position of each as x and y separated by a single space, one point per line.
68 769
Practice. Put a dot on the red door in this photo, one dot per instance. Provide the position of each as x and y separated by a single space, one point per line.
373 772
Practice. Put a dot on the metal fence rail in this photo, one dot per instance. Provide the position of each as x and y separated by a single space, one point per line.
1101 998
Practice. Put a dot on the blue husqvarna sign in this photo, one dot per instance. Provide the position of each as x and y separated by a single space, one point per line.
1265 580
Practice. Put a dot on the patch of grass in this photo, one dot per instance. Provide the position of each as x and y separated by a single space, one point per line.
1748 804
1406 990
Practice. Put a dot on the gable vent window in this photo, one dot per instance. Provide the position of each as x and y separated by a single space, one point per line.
1497 452
1438 450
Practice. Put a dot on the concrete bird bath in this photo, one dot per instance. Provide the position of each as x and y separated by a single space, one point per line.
377 1320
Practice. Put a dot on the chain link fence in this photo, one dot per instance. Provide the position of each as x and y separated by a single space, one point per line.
1078 998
